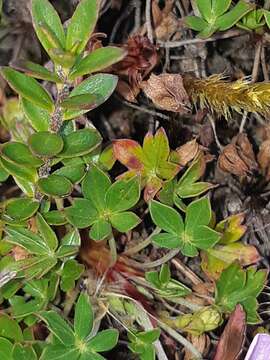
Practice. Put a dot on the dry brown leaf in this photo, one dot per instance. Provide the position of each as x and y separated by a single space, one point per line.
188 152
231 342
201 343
141 58
263 158
238 157
167 92
165 22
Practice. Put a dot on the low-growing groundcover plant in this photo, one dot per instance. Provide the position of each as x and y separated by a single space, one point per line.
63 276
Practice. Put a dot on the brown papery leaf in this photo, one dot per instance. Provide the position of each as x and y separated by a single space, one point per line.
165 22
263 158
167 92
238 157
231 342
188 152
201 343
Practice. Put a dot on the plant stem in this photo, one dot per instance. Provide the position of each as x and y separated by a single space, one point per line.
135 249
181 339
113 250
186 303
170 255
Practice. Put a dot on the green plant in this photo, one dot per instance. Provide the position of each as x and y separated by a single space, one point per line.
63 234
216 15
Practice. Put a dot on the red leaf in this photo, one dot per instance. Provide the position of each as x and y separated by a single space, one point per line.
231 342
129 153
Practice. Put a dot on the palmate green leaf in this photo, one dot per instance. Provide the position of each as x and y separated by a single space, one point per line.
194 189
21 172
43 13
151 161
94 187
20 154
27 239
9 328
104 341
205 9
238 286
5 349
97 60
123 194
166 218
21 209
45 143
124 221
55 185
82 213
80 142
100 85
84 317
220 7
198 214
38 117
195 23
82 25
60 352
23 307
3 174
100 230
59 327
71 272
28 88
189 236
35 70
229 19
20 352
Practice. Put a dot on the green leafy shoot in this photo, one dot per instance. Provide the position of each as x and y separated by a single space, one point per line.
164 284
188 236
238 286
142 343
107 206
151 161
77 341
216 15
188 186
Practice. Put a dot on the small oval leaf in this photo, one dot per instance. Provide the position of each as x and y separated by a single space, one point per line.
20 154
80 143
55 185
28 88
45 143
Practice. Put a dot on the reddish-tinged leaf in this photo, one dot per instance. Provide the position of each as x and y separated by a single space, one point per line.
129 153
150 161
151 188
232 340
215 260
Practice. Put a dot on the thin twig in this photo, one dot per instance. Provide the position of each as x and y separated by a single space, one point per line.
226 35
143 109
148 20
213 125
170 255
187 272
143 244
254 76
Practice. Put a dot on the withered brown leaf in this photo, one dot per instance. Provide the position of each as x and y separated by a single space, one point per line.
238 157
188 152
167 92
263 158
231 342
